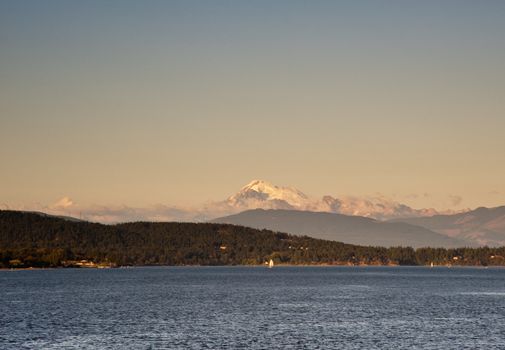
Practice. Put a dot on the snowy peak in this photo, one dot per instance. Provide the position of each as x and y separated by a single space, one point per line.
259 191
264 195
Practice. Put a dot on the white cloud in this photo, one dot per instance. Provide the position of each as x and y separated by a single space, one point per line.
64 202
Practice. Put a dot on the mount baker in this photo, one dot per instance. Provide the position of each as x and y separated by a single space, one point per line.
260 194
257 194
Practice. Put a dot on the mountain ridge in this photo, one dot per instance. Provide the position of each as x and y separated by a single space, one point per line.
262 194
340 227
483 225
256 194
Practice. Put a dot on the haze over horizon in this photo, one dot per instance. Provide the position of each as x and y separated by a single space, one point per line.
120 103
257 194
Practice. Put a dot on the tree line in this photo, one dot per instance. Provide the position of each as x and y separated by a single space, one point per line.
35 240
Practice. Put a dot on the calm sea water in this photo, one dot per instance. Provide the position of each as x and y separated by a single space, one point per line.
253 308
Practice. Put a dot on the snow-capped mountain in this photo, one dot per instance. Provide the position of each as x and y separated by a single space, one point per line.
376 207
264 195
257 194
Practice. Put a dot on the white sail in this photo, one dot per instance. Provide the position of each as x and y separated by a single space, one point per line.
271 263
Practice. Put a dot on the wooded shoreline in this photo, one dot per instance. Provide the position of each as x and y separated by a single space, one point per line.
33 240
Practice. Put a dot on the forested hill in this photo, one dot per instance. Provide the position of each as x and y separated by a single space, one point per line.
34 240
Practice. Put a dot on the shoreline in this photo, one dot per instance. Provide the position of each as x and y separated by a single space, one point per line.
251 266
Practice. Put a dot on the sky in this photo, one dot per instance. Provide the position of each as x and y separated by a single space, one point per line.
180 102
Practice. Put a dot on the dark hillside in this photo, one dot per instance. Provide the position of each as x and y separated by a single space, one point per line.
33 240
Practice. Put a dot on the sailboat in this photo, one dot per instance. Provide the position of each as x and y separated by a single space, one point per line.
270 264
431 264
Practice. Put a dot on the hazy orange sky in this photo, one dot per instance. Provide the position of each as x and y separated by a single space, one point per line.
180 102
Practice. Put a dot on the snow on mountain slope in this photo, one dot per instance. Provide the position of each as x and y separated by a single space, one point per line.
260 192
264 195
257 194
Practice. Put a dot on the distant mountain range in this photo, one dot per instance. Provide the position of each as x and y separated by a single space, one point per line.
264 195
349 229
254 195
357 220
290 210
484 226
479 227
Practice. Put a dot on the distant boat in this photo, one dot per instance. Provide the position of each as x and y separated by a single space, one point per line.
431 264
270 264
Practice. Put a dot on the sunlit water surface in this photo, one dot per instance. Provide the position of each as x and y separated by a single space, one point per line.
253 308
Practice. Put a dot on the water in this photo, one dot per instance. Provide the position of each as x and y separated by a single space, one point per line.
253 308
